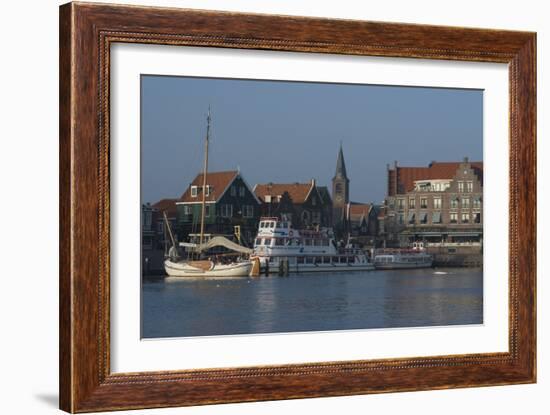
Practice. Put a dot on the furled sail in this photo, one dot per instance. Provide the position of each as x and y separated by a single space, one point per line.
221 241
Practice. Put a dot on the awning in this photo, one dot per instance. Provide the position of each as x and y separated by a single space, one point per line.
464 233
436 218
221 241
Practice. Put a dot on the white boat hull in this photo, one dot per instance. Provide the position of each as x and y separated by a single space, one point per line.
294 267
185 269
397 265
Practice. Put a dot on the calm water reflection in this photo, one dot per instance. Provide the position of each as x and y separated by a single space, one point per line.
305 302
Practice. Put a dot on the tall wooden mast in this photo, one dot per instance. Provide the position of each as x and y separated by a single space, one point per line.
204 173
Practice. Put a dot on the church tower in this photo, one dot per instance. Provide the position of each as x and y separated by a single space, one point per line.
340 190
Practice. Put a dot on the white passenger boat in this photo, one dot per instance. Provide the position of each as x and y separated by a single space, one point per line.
403 258
277 244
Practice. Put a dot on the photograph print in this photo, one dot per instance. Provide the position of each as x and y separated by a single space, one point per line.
284 206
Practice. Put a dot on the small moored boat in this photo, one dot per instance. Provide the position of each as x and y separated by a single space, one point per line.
403 258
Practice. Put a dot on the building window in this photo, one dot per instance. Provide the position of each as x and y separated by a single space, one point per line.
233 190
412 203
460 187
470 186
465 217
316 217
400 204
411 218
423 218
248 211
454 202
147 217
267 198
423 202
206 211
436 218
465 202
477 202
477 217
453 218
226 211
186 210
241 191
194 191
207 191
437 203
401 219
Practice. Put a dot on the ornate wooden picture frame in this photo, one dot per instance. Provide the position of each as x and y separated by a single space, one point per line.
87 32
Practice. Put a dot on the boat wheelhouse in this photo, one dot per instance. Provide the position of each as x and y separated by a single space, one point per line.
277 244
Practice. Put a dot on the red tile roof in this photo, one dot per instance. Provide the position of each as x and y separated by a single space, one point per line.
357 210
298 192
218 182
166 205
406 176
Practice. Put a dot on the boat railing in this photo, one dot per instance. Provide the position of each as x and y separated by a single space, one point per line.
395 251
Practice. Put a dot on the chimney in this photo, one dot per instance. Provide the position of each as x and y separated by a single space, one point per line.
465 160
312 182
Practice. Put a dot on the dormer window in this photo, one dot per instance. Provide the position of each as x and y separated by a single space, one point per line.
207 192
267 198
194 191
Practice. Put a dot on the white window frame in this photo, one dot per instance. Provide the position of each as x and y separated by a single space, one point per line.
461 187
194 191
226 211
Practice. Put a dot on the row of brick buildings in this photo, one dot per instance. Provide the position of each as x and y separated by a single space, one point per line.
439 204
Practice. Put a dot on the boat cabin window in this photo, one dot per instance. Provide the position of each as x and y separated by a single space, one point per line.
267 241
334 259
300 260
279 241
309 260
326 260
258 241
307 242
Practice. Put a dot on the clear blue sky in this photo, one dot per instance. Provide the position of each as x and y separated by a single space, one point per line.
290 131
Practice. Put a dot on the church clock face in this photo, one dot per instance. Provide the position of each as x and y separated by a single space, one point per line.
339 198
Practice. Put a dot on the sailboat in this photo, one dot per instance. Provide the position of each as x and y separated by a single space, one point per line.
175 266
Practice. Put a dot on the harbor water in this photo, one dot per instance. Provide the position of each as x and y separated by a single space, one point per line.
184 307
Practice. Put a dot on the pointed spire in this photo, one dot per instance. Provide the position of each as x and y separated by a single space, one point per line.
340 165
